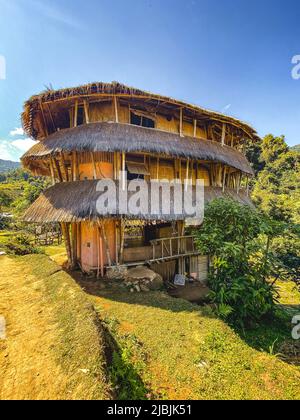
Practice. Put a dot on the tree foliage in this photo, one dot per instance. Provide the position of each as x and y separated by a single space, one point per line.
237 238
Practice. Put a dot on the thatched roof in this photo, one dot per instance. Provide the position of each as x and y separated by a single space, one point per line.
114 137
76 202
93 91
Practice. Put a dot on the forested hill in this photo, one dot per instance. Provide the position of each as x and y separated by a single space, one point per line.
296 148
8 165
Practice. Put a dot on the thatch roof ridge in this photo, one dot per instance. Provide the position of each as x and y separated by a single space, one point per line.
76 202
116 137
116 88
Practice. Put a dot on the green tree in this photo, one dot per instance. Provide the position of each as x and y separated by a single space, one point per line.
237 239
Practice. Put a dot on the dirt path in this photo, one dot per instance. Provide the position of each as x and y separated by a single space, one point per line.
35 361
28 370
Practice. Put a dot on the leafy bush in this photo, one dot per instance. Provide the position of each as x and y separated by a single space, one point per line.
237 238
21 245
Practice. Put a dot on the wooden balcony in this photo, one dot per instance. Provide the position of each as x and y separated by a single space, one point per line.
165 249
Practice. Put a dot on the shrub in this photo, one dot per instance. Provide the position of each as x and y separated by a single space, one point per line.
21 245
237 239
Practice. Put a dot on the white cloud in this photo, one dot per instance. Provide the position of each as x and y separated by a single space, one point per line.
226 108
13 150
23 144
17 132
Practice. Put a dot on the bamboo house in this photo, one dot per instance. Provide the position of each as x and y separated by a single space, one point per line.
94 131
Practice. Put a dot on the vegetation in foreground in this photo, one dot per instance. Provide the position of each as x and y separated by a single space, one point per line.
159 347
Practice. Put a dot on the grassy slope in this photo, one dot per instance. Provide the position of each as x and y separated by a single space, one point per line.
53 348
163 348
181 351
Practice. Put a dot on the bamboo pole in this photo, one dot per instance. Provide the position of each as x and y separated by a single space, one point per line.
66 234
44 119
56 164
157 168
75 113
74 243
79 241
115 101
122 229
224 178
195 127
94 165
116 242
64 168
52 172
181 123
86 111
223 134
123 170
108 256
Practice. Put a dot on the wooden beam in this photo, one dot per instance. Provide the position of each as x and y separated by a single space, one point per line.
56 164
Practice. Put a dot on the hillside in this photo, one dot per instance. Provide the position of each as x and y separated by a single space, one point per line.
296 148
8 165
53 349
157 346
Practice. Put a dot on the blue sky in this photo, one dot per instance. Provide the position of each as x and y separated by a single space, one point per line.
226 55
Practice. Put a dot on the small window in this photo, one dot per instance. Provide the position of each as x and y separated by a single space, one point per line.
141 120
80 116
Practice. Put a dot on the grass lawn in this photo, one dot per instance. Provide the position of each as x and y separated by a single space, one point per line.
171 349
157 347
54 348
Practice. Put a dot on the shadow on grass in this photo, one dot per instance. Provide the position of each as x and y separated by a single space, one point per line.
126 381
273 335
157 299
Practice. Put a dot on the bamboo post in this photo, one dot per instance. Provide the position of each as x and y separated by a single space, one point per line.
123 170
115 100
75 169
116 242
122 229
157 168
94 165
74 243
64 168
52 172
66 234
181 123
56 164
86 111
224 178
44 119
102 225
223 133
79 240
76 113
195 127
